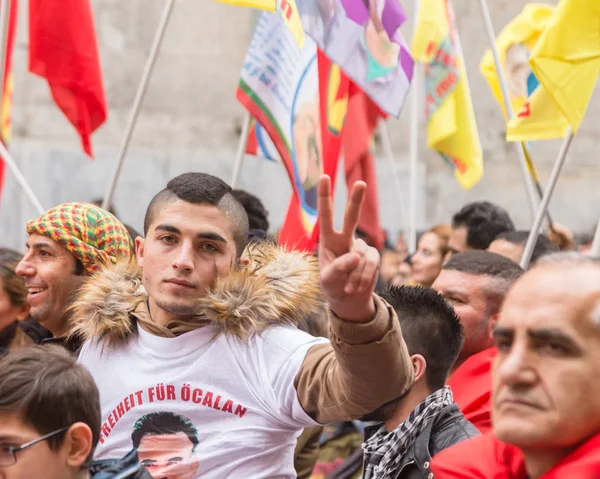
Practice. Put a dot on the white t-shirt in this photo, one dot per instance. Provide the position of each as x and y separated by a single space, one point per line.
222 408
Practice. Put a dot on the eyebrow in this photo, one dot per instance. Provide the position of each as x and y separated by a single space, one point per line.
39 245
176 458
453 292
503 333
5 439
207 236
551 335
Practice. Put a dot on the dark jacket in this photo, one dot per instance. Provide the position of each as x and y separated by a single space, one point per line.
127 468
449 427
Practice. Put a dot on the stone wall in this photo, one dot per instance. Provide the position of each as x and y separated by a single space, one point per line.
191 120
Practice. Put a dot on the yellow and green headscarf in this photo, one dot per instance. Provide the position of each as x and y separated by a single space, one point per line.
92 235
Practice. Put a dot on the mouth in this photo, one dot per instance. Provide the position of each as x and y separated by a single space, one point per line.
34 293
180 282
519 403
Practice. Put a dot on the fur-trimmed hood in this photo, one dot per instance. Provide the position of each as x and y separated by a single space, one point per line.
276 287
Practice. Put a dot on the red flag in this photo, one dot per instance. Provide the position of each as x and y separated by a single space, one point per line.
63 49
296 232
5 127
361 122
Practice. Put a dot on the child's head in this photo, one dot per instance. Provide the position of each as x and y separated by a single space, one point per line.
45 395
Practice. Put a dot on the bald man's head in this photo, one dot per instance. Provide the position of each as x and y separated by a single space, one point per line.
546 379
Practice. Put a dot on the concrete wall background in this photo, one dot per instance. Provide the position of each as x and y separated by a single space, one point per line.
191 120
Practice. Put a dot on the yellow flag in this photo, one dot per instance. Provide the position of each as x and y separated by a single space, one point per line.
451 128
514 44
566 62
286 8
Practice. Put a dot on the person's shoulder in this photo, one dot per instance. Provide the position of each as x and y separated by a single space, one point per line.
450 427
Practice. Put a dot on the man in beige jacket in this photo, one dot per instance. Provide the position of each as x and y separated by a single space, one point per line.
203 369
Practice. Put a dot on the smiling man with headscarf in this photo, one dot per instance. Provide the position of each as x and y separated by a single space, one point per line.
66 244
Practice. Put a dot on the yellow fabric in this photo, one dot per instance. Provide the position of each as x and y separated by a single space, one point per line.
286 8
451 128
525 29
566 61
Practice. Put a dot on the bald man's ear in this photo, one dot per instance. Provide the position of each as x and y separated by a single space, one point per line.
492 323
139 251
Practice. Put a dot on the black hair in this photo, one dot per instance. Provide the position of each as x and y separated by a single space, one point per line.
198 188
501 271
161 424
484 222
430 327
256 211
543 245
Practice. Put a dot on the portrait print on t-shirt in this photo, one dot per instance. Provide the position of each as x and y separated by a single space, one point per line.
166 444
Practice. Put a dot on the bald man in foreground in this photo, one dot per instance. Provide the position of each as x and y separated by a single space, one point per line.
546 380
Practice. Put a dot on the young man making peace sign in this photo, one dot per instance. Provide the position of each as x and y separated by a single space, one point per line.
211 336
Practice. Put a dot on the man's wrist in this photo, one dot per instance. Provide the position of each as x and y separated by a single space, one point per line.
354 314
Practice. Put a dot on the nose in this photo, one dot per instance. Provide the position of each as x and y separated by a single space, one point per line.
184 261
25 268
515 368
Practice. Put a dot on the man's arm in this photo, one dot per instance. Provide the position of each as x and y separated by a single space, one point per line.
367 363
365 366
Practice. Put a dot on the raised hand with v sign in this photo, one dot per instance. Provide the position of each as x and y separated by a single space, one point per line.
349 267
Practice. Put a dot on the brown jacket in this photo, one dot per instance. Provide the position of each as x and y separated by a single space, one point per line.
365 366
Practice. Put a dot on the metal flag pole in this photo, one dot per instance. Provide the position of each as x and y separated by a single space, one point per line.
595 252
389 153
139 97
241 152
507 104
20 179
537 223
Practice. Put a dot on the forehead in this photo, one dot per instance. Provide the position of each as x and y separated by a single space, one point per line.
560 299
37 240
429 240
506 248
13 426
458 281
193 218
164 442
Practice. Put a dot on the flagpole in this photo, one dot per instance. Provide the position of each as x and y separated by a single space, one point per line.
389 153
5 7
20 179
507 104
139 97
595 251
414 159
241 152
537 223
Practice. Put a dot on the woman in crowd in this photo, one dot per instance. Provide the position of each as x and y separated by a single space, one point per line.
428 259
13 303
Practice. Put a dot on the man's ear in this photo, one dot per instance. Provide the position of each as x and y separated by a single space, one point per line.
23 312
492 323
419 366
139 251
244 261
78 444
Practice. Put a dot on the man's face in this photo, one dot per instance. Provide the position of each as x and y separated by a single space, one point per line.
48 269
37 461
546 379
458 241
507 249
187 247
465 293
169 456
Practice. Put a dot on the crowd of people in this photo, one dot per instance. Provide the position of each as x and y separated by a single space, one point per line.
201 348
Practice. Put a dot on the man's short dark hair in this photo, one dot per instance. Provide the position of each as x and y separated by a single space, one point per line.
501 271
198 188
50 391
484 222
430 327
258 216
161 424
543 245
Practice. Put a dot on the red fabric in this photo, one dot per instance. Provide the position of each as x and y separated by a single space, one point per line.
361 121
471 385
293 234
7 94
63 49
485 457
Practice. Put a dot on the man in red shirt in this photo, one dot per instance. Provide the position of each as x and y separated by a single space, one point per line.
475 284
546 381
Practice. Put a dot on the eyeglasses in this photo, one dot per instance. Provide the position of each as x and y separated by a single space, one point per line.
8 454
